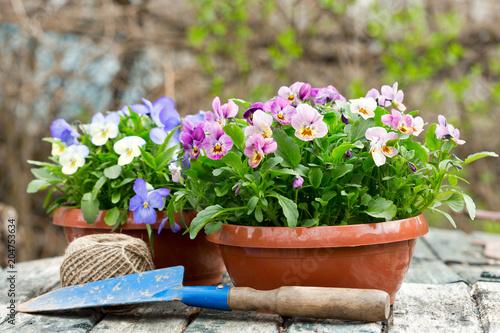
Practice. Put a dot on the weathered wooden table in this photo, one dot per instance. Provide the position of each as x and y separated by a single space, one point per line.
450 287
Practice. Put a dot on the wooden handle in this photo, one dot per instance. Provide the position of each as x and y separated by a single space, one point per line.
314 302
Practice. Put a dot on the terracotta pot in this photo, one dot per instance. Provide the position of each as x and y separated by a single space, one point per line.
368 256
201 259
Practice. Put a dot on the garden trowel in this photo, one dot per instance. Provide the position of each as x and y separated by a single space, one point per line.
165 285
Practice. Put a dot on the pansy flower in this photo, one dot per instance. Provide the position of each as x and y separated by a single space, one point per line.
192 137
73 158
261 124
282 111
144 203
391 95
375 94
166 118
326 95
308 123
128 148
298 182
256 147
102 128
379 149
218 143
298 91
248 115
221 112
447 131
60 129
365 107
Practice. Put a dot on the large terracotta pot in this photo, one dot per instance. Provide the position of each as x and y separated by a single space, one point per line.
201 259
368 256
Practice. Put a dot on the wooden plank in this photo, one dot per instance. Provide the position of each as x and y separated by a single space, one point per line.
454 246
235 321
487 295
304 325
434 308
431 271
34 278
156 317
472 273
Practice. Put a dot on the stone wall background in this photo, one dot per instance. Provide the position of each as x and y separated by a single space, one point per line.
68 58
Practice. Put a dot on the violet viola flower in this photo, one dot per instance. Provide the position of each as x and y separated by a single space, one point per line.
308 123
196 118
298 182
256 147
375 94
143 204
326 94
166 117
218 143
447 131
282 111
378 137
296 92
175 228
60 129
390 95
261 124
221 112
192 137
248 115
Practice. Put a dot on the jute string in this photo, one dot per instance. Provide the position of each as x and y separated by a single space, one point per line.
104 256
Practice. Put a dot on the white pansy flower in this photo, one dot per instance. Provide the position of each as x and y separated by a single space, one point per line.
103 128
365 107
58 148
73 158
128 148
175 169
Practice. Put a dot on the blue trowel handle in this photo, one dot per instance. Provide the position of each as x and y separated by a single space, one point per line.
311 302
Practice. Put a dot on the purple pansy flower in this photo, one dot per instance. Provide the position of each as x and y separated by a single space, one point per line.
298 91
166 117
390 95
192 137
282 111
221 112
60 129
308 123
196 118
175 228
447 131
248 115
375 94
218 143
326 94
298 182
256 147
143 204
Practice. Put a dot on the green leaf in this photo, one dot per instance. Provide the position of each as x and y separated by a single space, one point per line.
315 176
358 129
339 151
203 217
310 222
420 151
258 214
242 102
269 164
97 187
37 185
148 159
212 227
236 134
232 160
165 157
476 156
381 208
341 170
470 205
288 149
453 180
455 202
44 174
115 197
151 238
42 164
90 208
431 140
448 216
252 203
112 216
290 210
113 172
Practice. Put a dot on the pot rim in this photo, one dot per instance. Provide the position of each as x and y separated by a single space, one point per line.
321 237
73 218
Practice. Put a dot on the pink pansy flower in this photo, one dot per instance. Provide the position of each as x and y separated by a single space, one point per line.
390 95
221 112
375 94
256 147
404 123
326 94
296 92
282 111
308 123
261 124
192 137
378 137
417 125
447 131
365 107
218 143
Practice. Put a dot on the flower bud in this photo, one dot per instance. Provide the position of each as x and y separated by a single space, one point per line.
344 119
298 181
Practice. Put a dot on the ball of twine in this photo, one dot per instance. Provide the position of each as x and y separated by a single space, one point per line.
104 256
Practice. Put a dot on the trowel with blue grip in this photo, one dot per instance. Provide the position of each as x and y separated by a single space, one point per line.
165 285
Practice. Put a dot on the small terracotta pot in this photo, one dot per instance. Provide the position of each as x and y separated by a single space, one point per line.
367 256
201 259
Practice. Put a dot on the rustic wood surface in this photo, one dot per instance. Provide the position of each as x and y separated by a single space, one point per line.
450 287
